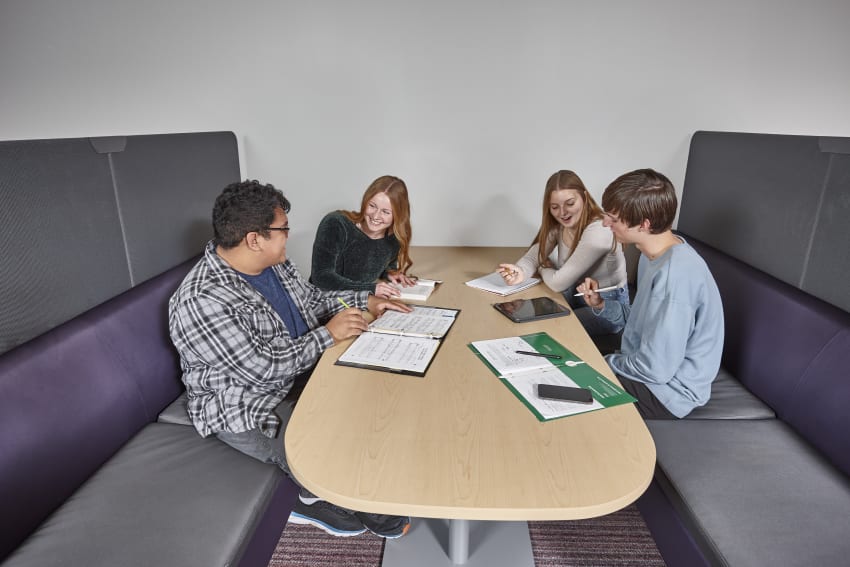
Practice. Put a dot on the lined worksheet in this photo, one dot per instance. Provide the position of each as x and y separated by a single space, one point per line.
391 352
421 322
503 356
401 342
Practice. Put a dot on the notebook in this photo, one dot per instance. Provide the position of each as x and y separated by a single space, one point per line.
495 284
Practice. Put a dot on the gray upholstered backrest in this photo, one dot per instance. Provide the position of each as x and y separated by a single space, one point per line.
778 203
84 219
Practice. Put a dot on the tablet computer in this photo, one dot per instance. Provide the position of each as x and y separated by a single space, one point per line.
523 310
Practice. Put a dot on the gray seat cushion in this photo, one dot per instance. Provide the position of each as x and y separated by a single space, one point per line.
167 498
731 400
756 493
176 412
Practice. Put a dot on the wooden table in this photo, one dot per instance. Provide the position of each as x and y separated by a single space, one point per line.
457 444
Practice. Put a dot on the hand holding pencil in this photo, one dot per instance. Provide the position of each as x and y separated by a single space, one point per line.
346 324
511 273
589 288
600 290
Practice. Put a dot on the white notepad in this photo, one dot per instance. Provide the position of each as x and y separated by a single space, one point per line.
419 292
495 284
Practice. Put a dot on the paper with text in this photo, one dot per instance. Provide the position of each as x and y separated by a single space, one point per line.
421 322
502 355
395 352
522 373
526 385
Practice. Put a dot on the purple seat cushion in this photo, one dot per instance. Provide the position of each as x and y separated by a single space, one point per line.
789 349
70 398
168 497
66 406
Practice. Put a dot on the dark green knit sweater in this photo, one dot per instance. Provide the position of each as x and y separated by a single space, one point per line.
345 258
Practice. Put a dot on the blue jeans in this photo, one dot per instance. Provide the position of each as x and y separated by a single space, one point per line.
593 324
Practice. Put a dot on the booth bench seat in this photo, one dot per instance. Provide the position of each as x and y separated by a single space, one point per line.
759 476
89 477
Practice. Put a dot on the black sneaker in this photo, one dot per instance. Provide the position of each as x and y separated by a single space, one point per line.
325 516
390 527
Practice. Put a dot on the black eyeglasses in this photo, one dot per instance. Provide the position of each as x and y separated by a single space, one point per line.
283 228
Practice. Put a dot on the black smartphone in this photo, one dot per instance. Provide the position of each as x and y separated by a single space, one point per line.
564 393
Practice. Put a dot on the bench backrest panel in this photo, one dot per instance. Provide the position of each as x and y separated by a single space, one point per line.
84 219
768 213
778 203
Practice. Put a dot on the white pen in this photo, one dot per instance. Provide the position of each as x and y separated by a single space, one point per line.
609 288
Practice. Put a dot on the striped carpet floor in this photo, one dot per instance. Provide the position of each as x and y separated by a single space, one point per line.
619 539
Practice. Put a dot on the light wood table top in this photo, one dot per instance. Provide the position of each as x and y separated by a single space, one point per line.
457 443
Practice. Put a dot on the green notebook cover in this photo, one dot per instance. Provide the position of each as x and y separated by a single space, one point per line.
607 393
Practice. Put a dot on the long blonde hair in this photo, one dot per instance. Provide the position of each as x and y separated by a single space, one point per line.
548 234
396 190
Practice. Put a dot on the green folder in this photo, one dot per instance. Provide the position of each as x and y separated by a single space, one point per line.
607 393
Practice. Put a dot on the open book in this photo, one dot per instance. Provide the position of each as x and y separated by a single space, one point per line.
495 284
401 342
552 364
419 292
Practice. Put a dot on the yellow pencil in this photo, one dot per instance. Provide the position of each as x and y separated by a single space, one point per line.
344 304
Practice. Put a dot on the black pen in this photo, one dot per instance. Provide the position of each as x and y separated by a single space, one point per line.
543 354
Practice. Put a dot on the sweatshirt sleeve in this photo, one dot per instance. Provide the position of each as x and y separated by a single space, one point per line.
528 263
663 339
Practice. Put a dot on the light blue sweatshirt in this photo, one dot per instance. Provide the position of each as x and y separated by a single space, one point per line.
673 338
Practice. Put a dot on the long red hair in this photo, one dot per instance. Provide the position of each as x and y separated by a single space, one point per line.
396 190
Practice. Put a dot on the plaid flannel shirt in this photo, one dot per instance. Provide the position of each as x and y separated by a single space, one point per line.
237 356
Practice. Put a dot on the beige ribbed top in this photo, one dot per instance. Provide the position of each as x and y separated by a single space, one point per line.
595 257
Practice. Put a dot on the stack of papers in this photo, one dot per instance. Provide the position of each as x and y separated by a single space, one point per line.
495 284
419 292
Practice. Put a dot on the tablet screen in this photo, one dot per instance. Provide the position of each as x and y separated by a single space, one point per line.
521 310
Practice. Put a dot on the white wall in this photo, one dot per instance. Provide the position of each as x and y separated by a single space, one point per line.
474 103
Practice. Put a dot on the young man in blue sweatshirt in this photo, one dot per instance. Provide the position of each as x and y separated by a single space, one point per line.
673 335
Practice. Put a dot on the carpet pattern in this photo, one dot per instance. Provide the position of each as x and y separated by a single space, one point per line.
618 539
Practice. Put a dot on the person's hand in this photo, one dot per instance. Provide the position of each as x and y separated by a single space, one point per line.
400 278
511 274
588 288
346 324
378 305
386 290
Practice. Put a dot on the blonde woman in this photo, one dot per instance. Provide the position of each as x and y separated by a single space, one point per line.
571 245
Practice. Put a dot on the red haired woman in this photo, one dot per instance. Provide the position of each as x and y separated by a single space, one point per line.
367 249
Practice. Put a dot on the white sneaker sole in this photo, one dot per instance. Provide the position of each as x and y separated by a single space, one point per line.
296 518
